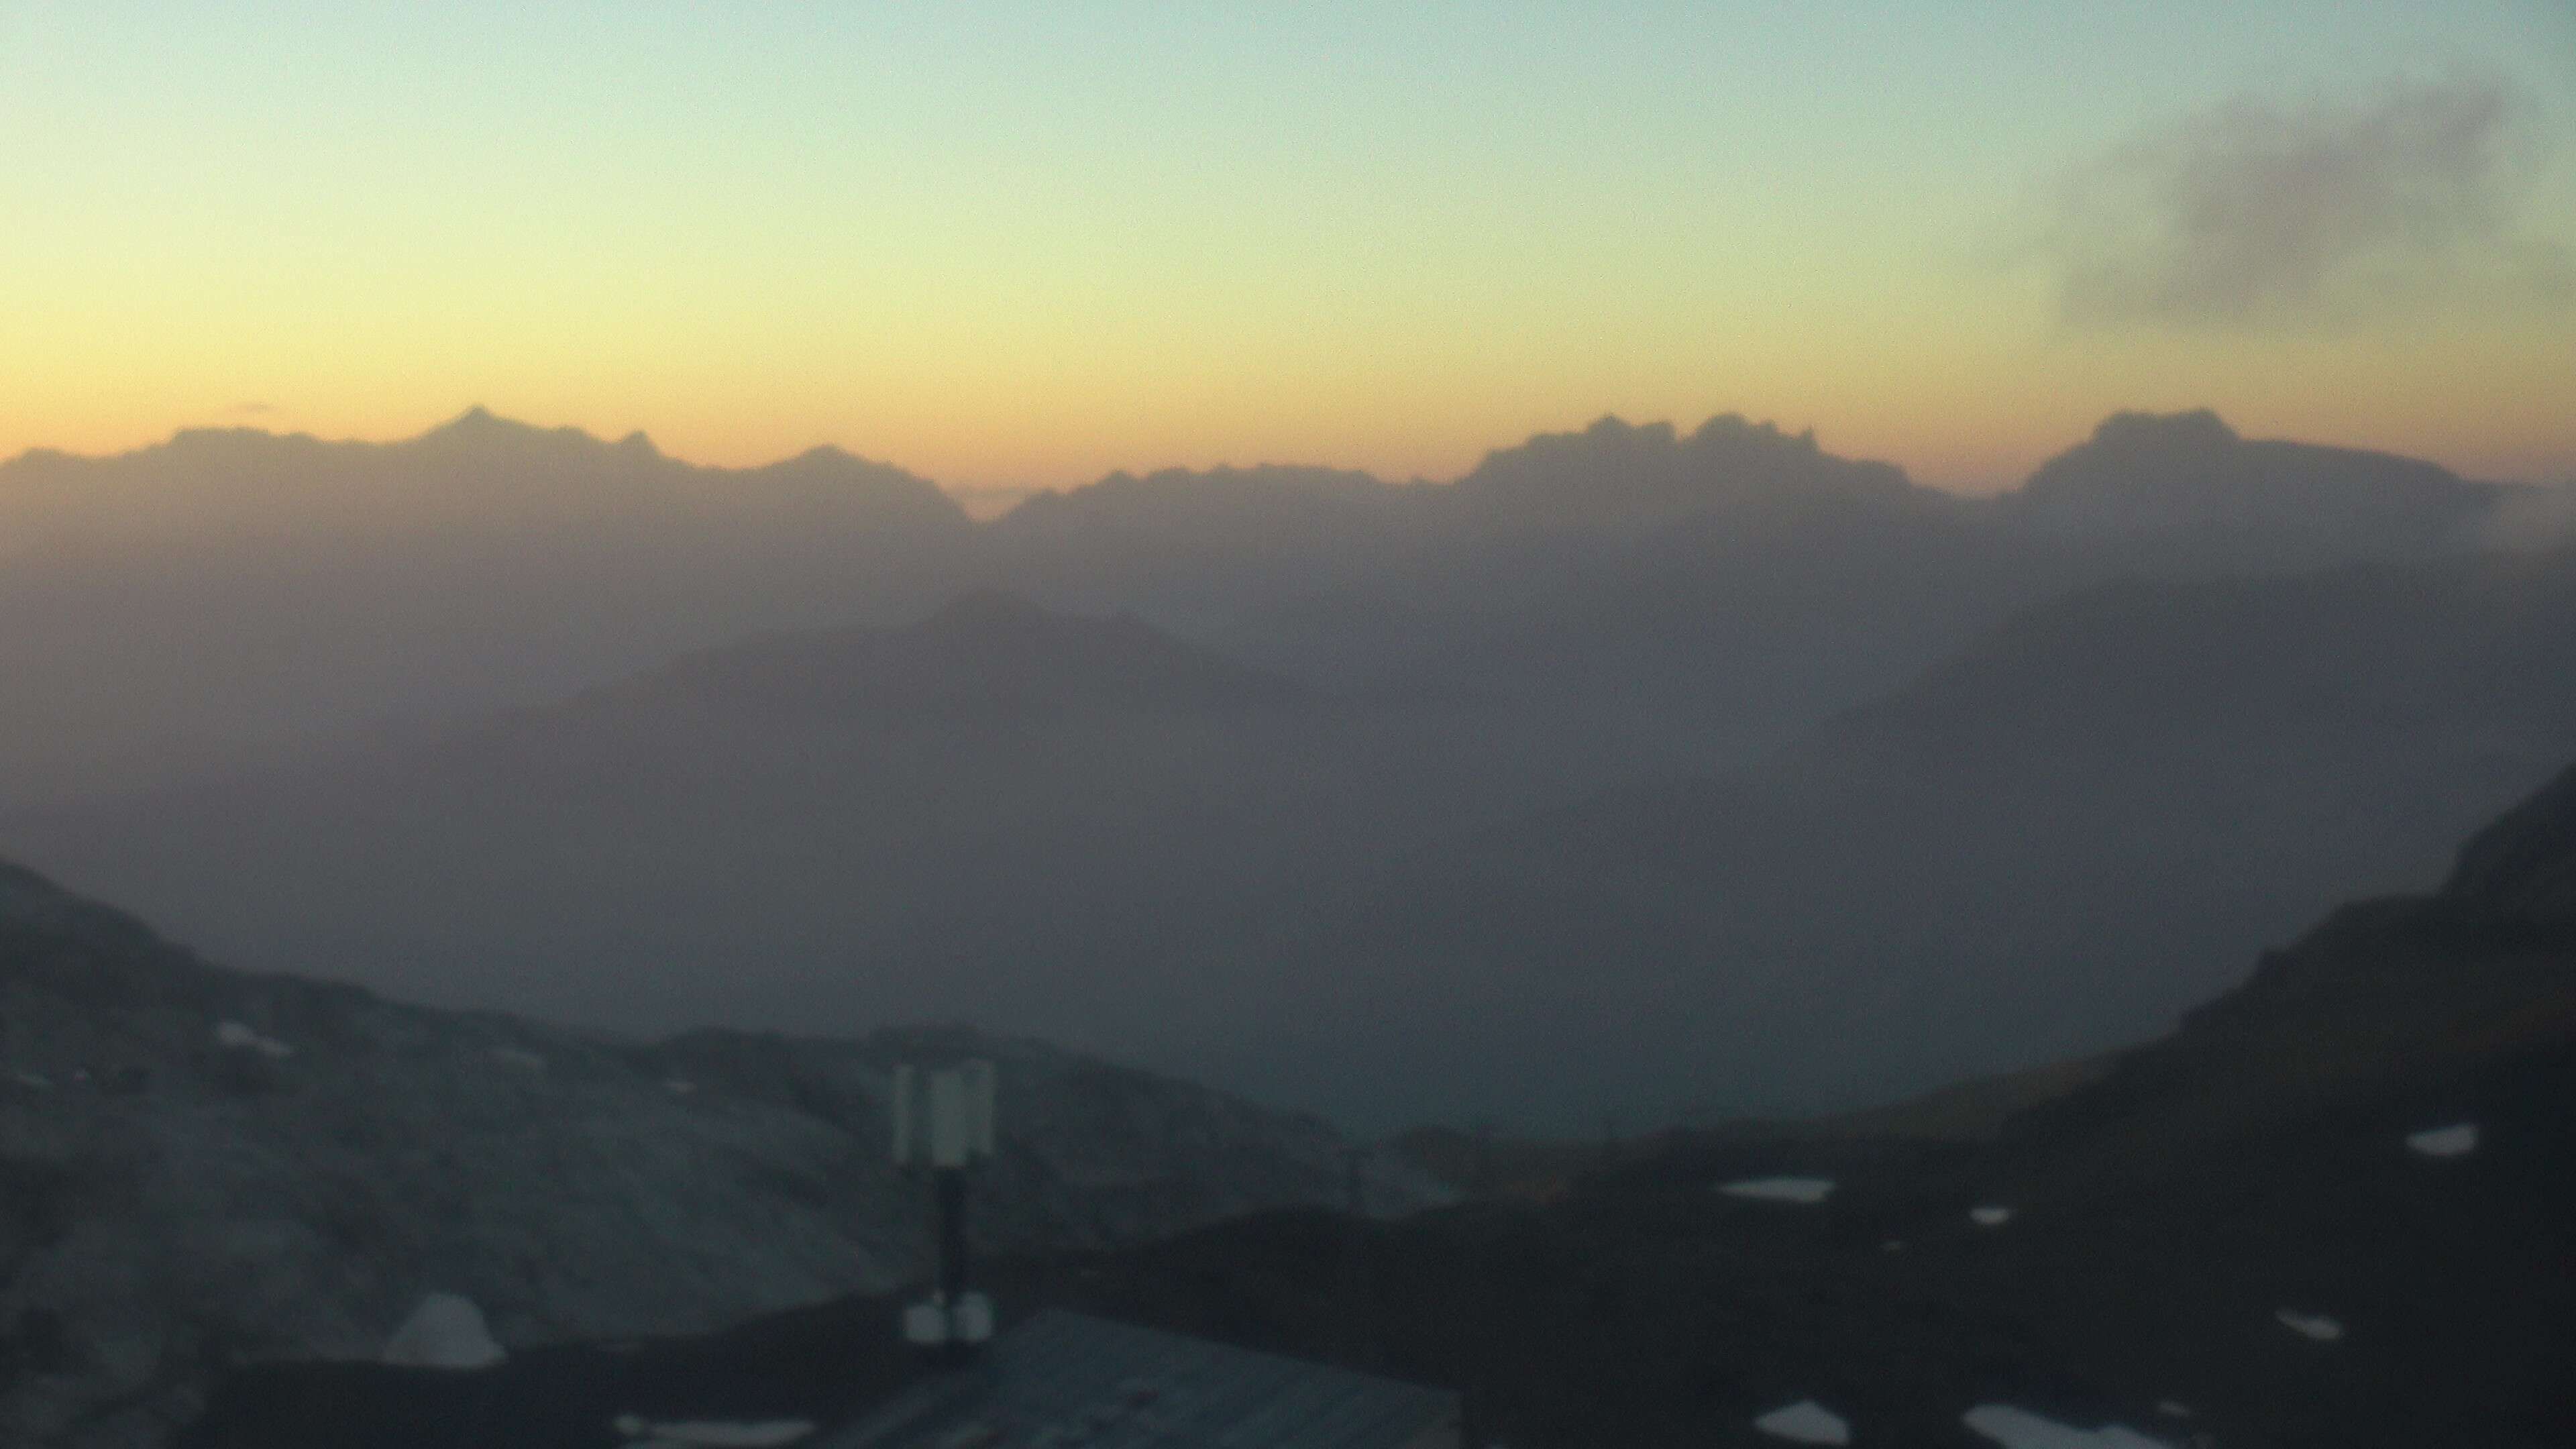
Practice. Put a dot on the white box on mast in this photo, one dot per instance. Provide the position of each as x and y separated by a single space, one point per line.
979 1079
948 1119
948 1144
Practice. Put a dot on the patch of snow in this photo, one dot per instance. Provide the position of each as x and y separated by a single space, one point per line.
2315 1325
1891 1246
446 1331
1782 1189
33 1081
520 1057
679 1086
712 1434
239 1036
1805 1422
2021 1429
1990 1217
2172 1410
2457 1140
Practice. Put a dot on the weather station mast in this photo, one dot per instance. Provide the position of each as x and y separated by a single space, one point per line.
943 1121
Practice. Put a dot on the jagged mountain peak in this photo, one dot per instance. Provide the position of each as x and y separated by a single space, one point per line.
479 421
478 430
2191 428
2146 472
1617 472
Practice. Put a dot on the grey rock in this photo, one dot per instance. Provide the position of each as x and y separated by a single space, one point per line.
177 1200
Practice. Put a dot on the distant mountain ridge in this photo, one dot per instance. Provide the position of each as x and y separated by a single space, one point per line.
232 594
2187 487
2144 471
477 471
1645 474
1000 812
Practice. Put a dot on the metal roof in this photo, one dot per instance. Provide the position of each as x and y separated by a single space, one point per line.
1069 1381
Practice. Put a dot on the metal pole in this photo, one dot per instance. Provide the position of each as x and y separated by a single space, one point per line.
951 1183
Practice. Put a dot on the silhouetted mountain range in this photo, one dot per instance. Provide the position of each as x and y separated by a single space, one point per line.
2188 481
232 594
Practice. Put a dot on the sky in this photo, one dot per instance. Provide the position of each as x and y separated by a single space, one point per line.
1016 246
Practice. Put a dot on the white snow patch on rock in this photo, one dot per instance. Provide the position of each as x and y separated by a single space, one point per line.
33 1081
679 1086
446 1331
2457 1140
1782 1189
2173 1409
2021 1429
712 1434
1805 1422
2315 1325
241 1037
520 1057
1990 1217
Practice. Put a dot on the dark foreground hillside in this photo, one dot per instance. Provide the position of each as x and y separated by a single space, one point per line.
199 1166
2336 1208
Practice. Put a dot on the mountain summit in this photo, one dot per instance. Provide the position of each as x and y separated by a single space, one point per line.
2189 471
1622 474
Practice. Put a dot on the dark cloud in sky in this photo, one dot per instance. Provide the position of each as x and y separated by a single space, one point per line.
2250 213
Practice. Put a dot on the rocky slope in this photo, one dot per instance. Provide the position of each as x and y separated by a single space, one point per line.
2335 1209
199 1167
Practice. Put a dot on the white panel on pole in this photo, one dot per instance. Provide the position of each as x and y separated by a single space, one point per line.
948 1119
979 1106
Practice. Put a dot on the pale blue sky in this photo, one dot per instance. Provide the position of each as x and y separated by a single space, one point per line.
1017 244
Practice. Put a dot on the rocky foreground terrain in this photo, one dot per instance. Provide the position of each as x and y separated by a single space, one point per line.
2335 1209
201 1168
